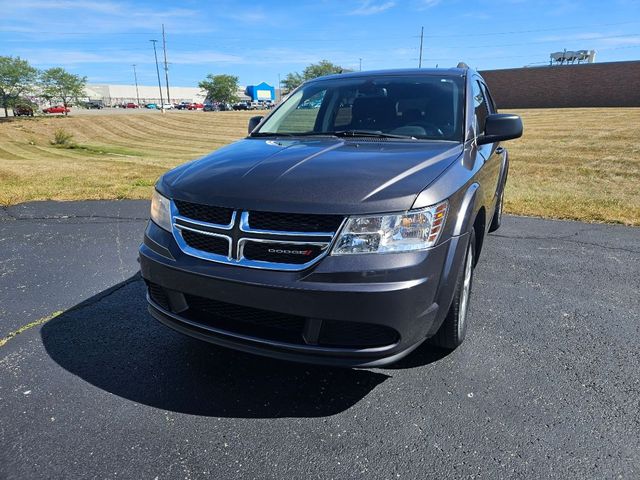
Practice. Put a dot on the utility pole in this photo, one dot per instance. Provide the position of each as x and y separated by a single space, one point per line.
166 65
360 64
421 39
135 77
279 88
155 53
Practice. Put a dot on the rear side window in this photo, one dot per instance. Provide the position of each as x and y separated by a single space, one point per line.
480 107
487 95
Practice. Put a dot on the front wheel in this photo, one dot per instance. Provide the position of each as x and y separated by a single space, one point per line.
454 328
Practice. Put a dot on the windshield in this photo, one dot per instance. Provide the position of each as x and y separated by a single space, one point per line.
418 107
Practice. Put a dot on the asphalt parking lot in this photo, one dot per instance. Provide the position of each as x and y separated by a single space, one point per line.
546 385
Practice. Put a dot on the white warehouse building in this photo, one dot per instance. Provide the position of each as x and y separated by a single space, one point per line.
116 94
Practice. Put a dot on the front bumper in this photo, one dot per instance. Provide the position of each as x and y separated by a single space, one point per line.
404 295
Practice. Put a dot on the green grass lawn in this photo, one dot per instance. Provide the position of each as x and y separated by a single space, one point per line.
581 164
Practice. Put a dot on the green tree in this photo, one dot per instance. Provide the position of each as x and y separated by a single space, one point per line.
58 84
323 67
220 88
292 81
17 77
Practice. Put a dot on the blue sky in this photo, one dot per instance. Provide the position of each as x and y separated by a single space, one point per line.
257 40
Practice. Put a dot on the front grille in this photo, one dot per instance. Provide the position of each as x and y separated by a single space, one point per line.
281 252
247 238
204 213
206 243
282 327
294 222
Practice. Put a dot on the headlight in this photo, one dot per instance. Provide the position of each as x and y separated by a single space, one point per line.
405 232
161 211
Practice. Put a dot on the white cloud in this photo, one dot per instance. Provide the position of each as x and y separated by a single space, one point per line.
423 4
37 16
594 39
369 7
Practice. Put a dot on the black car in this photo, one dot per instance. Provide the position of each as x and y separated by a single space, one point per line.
23 110
344 229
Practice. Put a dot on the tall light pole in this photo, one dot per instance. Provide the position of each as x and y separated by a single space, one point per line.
166 65
421 39
135 78
155 53
360 64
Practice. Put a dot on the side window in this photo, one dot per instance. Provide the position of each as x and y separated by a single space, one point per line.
480 106
303 118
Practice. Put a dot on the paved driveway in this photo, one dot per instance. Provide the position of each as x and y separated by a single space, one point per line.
546 385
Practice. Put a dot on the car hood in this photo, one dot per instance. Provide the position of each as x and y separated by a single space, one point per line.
313 175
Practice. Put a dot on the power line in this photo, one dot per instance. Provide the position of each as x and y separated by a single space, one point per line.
342 38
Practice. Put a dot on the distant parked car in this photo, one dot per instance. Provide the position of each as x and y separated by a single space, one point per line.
23 111
151 106
217 107
57 109
241 106
131 105
169 106
183 105
94 105
195 106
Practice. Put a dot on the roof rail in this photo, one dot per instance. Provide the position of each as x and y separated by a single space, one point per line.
462 65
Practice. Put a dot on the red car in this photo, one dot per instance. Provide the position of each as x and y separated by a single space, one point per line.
195 106
57 109
132 105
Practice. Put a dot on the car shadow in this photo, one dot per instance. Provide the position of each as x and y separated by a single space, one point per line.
111 342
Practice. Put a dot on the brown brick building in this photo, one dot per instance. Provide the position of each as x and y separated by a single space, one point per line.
614 84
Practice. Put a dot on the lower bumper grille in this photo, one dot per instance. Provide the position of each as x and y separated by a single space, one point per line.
158 295
281 327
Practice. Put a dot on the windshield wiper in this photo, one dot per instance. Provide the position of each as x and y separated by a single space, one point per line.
271 134
339 133
368 133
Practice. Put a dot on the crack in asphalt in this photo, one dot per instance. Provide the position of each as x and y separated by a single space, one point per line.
568 239
14 217
84 304
28 326
70 217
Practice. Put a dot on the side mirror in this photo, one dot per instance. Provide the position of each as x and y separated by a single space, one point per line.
254 121
501 126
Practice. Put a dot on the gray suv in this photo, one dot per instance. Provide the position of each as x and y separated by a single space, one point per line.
344 229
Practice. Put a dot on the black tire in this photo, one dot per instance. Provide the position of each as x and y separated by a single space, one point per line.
454 328
496 221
